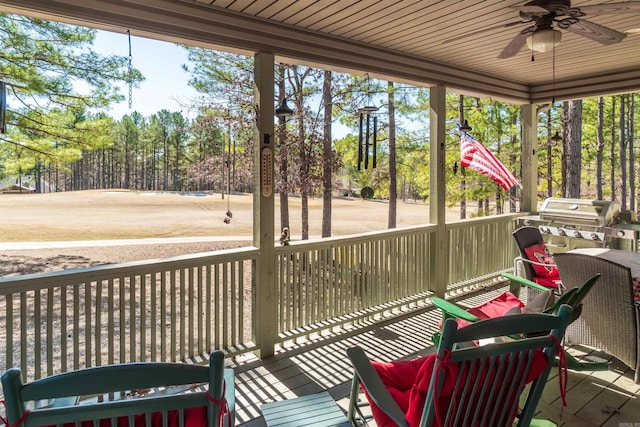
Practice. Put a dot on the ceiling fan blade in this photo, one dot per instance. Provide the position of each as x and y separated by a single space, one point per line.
482 30
600 9
596 32
516 44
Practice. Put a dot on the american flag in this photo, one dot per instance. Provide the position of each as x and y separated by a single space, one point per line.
474 155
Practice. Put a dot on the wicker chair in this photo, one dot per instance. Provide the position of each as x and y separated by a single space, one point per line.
610 317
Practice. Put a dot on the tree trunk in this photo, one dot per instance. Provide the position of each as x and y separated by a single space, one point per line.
573 129
563 155
327 156
632 156
463 181
623 156
613 148
549 156
284 157
599 148
393 189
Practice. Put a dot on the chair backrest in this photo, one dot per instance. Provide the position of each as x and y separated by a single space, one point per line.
109 395
525 237
482 385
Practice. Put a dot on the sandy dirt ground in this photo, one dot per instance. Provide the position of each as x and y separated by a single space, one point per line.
99 214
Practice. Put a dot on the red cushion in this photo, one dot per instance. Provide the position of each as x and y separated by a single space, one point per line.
408 382
540 253
549 282
497 307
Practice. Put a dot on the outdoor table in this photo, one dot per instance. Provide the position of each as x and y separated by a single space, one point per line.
627 258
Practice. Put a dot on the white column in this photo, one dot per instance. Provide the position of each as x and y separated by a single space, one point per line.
265 304
439 262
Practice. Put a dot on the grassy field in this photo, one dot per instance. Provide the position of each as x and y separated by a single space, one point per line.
116 214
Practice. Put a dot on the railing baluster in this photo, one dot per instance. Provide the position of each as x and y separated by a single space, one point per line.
63 328
153 321
226 322
217 323
189 302
49 320
164 313
111 320
240 299
37 341
233 301
200 348
142 327
88 303
98 322
76 326
173 319
24 339
122 320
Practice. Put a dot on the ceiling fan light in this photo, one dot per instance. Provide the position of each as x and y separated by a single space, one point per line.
544 40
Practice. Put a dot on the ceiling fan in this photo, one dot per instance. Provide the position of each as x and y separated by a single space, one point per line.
549 15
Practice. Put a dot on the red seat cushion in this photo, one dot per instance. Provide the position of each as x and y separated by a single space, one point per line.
497 307
549 282
636 289
408 382
539 253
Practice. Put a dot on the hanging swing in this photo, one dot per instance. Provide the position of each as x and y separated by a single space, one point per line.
227 163
130 72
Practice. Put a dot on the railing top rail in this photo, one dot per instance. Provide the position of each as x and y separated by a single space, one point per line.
358 238
484 220
13 284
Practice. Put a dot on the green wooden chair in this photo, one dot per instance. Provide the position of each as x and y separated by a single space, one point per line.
130 394
550 305
482 386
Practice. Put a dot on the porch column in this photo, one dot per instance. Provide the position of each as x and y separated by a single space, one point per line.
439 248
529 201
264 301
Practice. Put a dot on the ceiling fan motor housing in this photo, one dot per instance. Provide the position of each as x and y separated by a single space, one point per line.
537 8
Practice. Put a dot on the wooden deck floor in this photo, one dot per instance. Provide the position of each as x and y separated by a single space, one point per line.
606 398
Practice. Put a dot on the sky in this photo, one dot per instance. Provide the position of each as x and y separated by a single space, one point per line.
165 85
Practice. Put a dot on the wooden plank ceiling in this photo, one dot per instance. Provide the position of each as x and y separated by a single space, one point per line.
404 40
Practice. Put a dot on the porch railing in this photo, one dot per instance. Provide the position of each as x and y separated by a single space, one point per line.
182 307
157 310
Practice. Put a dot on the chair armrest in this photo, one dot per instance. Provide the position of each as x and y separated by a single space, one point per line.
451 310
370 380
523 281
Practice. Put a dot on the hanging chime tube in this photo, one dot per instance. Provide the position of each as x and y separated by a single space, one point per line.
375 139
366 143
360 144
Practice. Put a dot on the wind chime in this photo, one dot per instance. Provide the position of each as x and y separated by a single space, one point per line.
367 137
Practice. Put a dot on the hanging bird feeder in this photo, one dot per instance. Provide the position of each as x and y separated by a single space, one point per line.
367 137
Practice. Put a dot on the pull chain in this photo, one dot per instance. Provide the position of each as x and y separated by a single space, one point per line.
130 76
